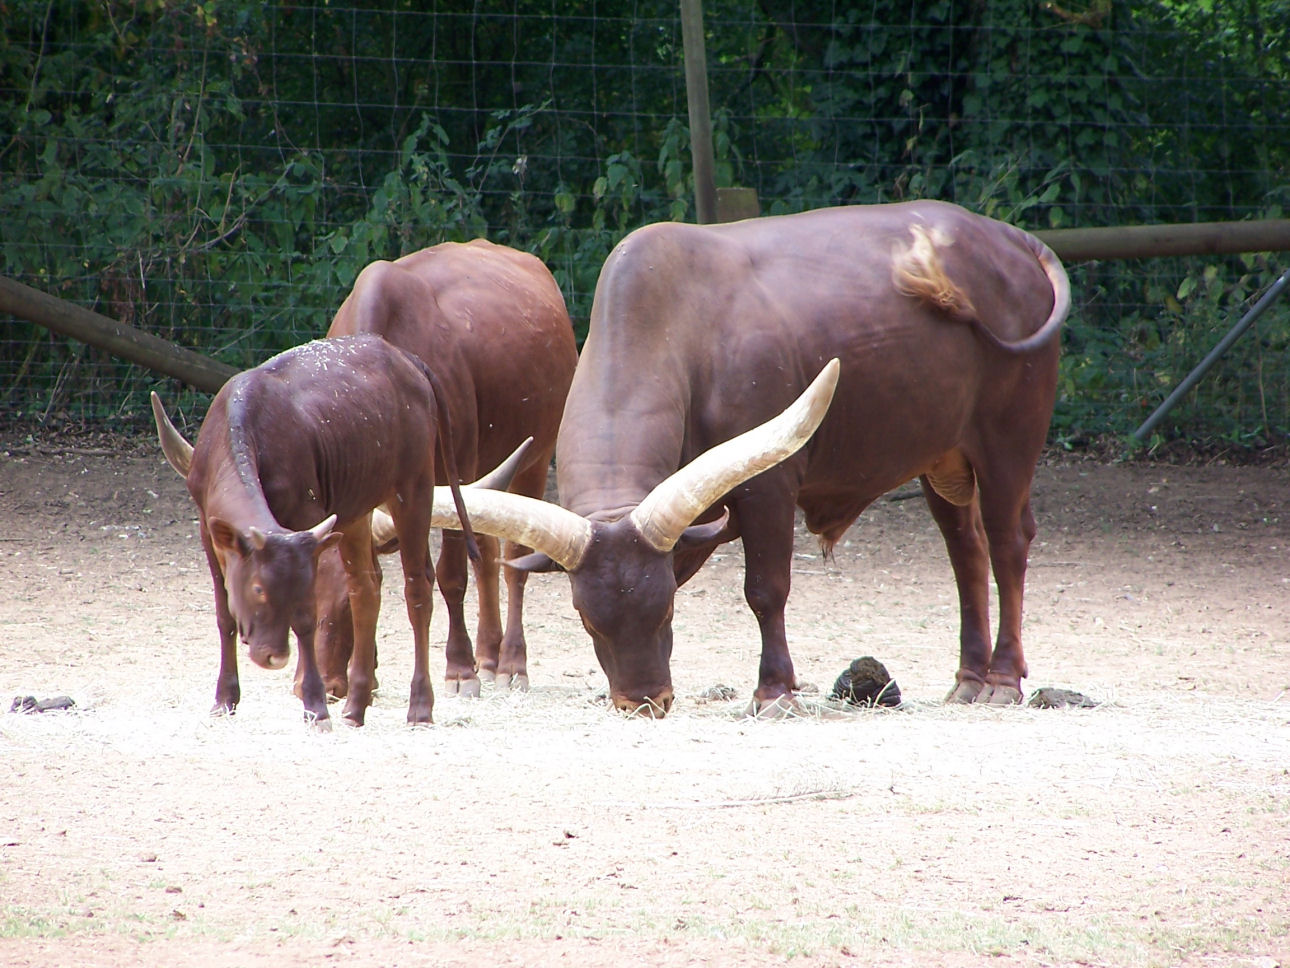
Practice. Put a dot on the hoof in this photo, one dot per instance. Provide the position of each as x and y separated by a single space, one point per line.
1000 694
318 725
353 716
487 675
465 688
965 692
517 683
984 693
781 707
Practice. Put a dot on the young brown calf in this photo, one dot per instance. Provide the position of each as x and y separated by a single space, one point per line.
292 458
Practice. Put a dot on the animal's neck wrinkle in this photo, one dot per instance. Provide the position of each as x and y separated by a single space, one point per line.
607 491
252 506
602 503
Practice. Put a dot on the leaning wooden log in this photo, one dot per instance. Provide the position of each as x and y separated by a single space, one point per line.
69 319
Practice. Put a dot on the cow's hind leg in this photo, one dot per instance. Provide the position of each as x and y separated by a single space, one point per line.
965 541
413 526
1010 528
363 576
459 658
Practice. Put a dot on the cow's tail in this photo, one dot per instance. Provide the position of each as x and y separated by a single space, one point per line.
917 271
444 441
1057 278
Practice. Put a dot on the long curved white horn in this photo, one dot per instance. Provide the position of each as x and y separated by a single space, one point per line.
675 502
498 479
179 452
559 534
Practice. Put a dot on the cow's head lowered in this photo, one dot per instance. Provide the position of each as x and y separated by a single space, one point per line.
269 577
270 583
620 563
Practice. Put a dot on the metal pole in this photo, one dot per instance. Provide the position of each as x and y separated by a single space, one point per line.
1232 336
696 93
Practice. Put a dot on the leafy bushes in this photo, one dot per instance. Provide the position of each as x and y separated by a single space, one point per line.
218 173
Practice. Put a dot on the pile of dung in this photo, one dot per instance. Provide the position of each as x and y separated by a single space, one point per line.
865 682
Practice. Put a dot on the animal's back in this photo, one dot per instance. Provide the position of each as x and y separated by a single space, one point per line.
325 420
491 322
720 327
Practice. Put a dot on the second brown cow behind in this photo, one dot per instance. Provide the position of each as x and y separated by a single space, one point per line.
491 323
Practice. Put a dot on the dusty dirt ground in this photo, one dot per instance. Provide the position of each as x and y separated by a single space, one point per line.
542 829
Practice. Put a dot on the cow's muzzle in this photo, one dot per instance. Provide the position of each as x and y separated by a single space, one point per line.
267 657
651 707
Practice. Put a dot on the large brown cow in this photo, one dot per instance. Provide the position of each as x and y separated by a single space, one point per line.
491 323
310 441
947 328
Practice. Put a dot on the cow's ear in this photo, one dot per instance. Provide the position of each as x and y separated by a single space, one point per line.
532 563
332 539
224 536
709 535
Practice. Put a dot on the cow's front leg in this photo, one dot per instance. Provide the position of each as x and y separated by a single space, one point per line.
768 556
228 691
313 694
513 652
965 542
488 629
459 659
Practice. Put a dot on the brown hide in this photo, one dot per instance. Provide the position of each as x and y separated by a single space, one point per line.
946 327
491 323
331 428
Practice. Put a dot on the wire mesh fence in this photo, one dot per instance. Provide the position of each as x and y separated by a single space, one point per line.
218 173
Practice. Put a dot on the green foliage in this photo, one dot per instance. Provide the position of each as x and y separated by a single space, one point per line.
218 173
1113 378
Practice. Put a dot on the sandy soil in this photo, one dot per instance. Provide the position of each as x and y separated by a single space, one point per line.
542 829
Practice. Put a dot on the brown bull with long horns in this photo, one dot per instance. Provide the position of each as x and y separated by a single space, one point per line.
946 327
